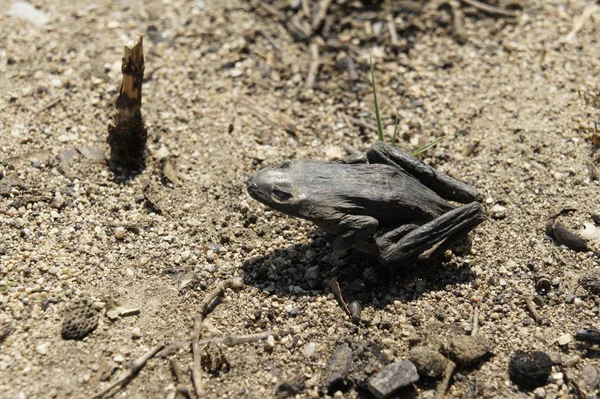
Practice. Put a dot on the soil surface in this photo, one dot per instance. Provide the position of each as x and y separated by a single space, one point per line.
225 94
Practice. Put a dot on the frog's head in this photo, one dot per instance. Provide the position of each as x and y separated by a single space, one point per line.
276 187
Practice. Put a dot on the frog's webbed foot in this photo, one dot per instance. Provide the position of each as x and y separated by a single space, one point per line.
411 244
351 231
444 185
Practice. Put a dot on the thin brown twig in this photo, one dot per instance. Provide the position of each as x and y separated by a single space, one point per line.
493 10
270 117
440 393
392 28
534 313
182 388
201 313
313 70
232 340
361 123
132 372
475 329
578 23
321 14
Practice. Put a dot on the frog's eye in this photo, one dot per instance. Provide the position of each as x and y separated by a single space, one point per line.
281 195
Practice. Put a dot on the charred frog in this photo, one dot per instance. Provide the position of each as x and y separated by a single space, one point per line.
385 202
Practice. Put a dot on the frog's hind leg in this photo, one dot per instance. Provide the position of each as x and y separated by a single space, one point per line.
410 245
351 231
444 185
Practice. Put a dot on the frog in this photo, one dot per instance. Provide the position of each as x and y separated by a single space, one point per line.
383 202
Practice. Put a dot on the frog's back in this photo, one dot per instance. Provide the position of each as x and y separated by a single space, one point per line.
384 192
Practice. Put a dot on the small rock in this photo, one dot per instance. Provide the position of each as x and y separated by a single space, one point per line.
393 377
590 281
338 366
309 350
120 233
42 349
590 376
578 302
429 363
466 350
118 358
28 12
270 342
136 333
563 236
591 335
564 339
313 277
530 370
539 392
570 298
498 211
355 310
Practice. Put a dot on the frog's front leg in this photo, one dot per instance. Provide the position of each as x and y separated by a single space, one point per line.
349 231
450 225
444 185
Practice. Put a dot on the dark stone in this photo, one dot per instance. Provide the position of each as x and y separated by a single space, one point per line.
337 369
393 377
564 236
313 277
591 281
591 335
530 370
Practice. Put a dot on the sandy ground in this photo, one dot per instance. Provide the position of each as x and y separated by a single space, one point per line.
516 104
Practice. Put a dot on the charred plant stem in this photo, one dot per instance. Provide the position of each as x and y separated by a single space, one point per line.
127 133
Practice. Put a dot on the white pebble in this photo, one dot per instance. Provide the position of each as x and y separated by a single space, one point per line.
118 358
42 349
270 342
309 349
136 333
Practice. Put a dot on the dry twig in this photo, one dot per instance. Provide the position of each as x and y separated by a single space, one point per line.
232 340
130 374
201 313
440 393
578 23
475 329
270 117
182 389
492 10
321 14
313 70
337 291
534 313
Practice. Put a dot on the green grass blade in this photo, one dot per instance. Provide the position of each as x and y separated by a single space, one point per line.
377 115
427 146
395 131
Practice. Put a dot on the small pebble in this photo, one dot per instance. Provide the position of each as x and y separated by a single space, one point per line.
118 358
136 333
42 349
270 342
498 211
309 350
120 233
578 302
393 377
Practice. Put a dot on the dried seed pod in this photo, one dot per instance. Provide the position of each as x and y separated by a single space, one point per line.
79 320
